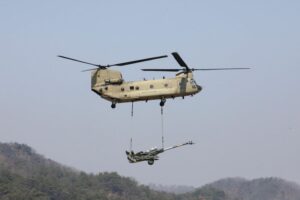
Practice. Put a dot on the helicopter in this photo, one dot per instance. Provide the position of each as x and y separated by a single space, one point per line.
110 85
151 155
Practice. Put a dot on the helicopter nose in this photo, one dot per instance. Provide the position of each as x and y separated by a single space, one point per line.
199 88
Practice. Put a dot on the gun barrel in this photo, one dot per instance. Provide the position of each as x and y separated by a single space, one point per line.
179 145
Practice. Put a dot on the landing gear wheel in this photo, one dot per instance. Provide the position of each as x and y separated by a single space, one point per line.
150 162
113 105
162 102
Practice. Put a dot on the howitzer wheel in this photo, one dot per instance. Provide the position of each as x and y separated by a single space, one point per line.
150 162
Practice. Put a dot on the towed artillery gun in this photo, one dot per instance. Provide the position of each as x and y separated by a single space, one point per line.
151 155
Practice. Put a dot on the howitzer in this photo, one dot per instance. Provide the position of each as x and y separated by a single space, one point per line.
151 155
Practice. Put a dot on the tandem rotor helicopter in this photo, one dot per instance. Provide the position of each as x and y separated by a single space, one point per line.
110 85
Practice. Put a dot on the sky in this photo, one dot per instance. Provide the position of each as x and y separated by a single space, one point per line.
244 123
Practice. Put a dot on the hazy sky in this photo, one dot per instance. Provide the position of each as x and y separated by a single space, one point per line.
244 123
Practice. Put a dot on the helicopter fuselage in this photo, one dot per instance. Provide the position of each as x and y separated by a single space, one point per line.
114 89
110 85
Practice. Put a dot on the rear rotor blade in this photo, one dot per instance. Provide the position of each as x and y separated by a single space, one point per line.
179 60
162 70
79 61
208 69
197 69
137 61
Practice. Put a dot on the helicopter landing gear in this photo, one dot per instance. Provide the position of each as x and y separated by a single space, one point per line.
113 105
162 102
150 162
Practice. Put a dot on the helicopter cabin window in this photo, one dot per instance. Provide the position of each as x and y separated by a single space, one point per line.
137 88
131 87
151 86
122 89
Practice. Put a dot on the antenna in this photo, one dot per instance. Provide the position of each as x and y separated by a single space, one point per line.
130 144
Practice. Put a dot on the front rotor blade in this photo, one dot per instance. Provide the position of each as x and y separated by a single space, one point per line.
79 61
137 61
162 70
86 70
208 69
179 60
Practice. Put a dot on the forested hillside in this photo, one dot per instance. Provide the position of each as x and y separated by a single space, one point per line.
25 174
257 189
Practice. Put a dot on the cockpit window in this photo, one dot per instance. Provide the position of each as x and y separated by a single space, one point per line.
193 82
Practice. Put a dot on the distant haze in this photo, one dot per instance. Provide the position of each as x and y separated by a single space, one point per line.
244 123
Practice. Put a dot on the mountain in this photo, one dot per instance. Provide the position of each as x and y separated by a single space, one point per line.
24 174
176 189
257 189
